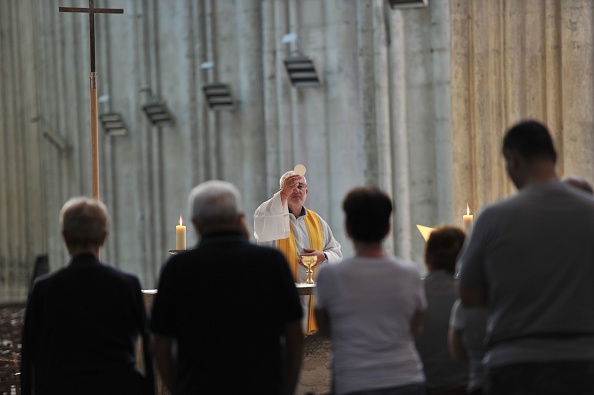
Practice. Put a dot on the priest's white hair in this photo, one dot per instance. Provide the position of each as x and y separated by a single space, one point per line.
288 174
215 203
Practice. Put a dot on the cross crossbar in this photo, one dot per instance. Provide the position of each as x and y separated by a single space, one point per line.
93 10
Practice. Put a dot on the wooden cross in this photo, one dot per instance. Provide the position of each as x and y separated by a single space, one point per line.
93 86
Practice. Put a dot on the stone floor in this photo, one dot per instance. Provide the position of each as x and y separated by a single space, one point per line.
315 371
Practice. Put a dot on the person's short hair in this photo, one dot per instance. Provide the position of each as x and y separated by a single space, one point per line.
368 211
215 203
281 181
580 183
84 221
443 246
531 140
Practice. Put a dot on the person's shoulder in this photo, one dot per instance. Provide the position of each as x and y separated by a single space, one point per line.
500 206
250 250
119 274
343 266
185 258
403 263
497 211
42 282
404 268
327 273
579 196
58 276
271 253
347 265
553 194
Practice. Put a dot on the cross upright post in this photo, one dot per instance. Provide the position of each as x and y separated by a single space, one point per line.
93 86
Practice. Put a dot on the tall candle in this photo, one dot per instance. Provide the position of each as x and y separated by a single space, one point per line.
468 220
180 236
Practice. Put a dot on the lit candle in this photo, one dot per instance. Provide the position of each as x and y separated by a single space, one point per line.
467 219
180 236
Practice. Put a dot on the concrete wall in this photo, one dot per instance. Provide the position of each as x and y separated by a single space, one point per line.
514 60
381 117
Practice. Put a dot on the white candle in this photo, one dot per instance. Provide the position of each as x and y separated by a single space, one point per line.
180 236
468 220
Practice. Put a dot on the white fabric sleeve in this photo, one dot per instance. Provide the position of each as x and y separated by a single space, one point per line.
332 248
321 293
271 220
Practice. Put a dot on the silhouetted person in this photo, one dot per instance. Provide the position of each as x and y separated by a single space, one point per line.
224 308
466 342
530 260
444 375
82 322
371 306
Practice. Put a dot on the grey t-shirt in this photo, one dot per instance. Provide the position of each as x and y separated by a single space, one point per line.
371 303
440 368
533 254
471 325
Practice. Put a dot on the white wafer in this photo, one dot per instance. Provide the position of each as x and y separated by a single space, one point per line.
300 169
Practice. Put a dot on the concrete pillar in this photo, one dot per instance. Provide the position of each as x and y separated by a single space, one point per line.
577 87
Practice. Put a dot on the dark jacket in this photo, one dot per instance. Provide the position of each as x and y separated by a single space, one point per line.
80 333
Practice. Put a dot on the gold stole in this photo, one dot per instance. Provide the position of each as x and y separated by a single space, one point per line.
289 248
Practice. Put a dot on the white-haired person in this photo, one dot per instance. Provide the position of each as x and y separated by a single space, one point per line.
82 322
285 223
208 338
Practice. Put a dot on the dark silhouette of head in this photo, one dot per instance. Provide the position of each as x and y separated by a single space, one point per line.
84 224
368 211
529 153
531 140
443 246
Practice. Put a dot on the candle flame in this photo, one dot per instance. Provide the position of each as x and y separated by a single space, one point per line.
467 209
180 220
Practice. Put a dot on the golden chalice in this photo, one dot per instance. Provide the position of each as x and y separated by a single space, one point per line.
309 261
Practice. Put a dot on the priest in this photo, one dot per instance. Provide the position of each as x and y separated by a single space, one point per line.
285 223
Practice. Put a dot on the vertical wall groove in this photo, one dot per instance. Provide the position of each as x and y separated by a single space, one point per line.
545 51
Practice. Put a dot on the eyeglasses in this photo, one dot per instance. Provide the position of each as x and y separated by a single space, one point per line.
301 186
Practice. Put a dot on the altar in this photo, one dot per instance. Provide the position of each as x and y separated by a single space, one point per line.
305 289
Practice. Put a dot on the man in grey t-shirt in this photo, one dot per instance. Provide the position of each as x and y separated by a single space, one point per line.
530 259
